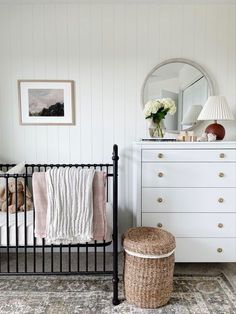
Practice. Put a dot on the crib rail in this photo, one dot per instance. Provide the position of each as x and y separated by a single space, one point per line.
21 253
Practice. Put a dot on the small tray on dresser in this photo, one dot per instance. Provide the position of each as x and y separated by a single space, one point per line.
158 139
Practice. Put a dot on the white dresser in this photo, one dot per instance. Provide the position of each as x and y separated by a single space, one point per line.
188 189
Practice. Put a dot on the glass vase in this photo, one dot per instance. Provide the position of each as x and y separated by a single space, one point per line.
156 129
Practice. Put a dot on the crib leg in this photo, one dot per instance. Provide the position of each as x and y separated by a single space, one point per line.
115 299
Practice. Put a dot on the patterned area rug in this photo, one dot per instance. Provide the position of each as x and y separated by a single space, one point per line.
192 294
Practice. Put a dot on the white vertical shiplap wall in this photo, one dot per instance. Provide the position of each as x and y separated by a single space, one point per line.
107 49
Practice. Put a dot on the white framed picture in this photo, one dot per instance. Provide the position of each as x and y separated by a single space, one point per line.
46 102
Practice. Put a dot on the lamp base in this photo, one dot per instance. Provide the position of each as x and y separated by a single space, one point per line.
216 129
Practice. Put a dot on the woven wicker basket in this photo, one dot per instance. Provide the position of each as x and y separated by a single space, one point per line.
149 266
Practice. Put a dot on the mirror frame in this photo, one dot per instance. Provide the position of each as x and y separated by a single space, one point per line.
180 60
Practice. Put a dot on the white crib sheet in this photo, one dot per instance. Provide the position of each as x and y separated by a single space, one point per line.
29 223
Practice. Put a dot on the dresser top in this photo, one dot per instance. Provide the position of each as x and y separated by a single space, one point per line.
186 145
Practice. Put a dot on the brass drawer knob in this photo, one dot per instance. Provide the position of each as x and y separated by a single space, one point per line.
160 174
222 155
221 200
221 174
219 250
220 225
160 199
160 155
159 225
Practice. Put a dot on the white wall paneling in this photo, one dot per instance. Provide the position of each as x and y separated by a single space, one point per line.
107 48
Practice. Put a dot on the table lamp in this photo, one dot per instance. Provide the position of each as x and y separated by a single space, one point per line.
216 108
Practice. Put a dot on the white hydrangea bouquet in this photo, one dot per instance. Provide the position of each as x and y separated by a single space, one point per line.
155 111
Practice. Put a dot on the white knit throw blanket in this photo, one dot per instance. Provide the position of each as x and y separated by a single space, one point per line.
70 205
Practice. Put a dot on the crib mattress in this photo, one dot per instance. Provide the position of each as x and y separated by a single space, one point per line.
29 228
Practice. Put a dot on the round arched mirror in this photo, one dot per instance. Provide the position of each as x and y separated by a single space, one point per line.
185 82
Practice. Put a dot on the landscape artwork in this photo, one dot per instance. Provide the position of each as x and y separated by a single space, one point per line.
46 102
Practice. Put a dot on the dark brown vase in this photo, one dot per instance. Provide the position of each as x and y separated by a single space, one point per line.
216 129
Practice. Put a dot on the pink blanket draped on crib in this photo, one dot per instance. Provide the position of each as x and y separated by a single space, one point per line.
99 205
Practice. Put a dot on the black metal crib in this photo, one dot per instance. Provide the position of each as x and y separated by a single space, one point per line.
34 258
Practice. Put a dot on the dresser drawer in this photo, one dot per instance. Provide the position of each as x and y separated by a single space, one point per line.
193 224
184 155
189 175
202 250
189 200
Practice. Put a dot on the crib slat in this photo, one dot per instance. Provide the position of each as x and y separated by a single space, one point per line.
25 224
69 258
34 257
60 258
78 258
104 256
52 258
86 259
16 226
95 255
107 172
7 204
34 239
43 255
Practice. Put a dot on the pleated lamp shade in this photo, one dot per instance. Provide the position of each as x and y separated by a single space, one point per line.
216 108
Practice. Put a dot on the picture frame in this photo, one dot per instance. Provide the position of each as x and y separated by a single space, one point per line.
46 102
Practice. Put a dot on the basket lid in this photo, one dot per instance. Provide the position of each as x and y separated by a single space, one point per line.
148 240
